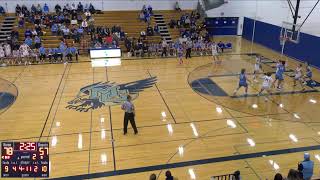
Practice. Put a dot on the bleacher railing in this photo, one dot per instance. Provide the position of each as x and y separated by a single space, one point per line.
223 177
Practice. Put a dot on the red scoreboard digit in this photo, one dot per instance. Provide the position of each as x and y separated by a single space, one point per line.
25 159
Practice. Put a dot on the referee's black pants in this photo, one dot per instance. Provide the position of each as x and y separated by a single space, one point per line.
129 117
188 53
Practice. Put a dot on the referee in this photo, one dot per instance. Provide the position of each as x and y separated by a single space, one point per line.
189 48
129 114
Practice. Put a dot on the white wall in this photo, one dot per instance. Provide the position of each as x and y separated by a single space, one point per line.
271 11
106 5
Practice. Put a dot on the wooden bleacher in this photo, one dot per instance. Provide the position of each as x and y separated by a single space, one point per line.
127 20
168 15
129 23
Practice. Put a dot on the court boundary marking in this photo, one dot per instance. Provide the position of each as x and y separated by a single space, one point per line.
190 163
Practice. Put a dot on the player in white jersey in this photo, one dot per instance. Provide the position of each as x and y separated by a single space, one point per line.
266 84
2 56
298 76
203 48
7 49
257 68
24 52
215 53
16 57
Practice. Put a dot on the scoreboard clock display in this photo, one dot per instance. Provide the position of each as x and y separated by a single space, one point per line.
24 159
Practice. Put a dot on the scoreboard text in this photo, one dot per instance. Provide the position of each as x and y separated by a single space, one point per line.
24 159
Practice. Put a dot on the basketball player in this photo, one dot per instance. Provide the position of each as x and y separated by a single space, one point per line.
242 82
257 68
180 54
266 84
7 49
298 76
308 75
197 46
24 50
2 55
279 74
16 57
215 54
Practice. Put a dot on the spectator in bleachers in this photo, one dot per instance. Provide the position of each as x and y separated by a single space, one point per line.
150 10
76 35
153 177
149 31
143 34
92 9
18 9
306 167
80 8
24 10
177 6
147 17
33 9
86 7
66 33
2 11
54 29
169 175
128 44
278 176
38 9
21 23
84 25
80 31
156 29
294 175
172 23
14 34
79 18
73 7
28 41
46 9
57 8
237 175
97 45
37 42
27 33
34 32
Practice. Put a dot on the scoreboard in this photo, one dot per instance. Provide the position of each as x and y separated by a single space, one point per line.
25 159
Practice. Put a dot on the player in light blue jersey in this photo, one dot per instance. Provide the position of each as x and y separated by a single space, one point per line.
308 75
279 74
242 82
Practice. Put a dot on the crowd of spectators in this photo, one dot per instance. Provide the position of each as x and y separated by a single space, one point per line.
304 171
103 36
69 22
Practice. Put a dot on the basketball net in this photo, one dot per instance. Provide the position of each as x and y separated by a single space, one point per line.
283 40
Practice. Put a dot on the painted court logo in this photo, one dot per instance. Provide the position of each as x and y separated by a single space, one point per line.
107 94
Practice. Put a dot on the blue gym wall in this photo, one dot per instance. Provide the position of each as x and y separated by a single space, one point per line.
222 25
267 35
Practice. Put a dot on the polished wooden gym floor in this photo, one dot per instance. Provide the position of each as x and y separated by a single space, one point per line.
180 128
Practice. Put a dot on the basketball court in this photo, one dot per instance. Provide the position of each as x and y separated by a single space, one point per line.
188 119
